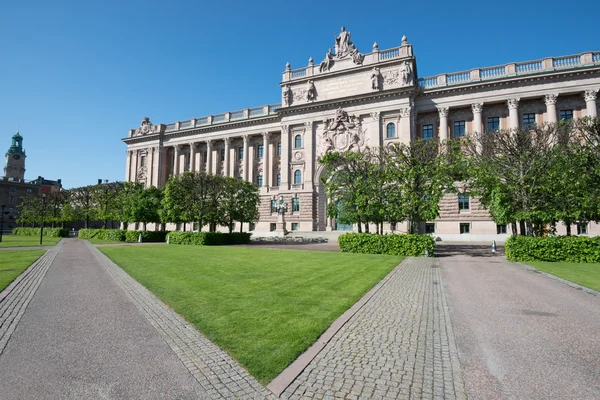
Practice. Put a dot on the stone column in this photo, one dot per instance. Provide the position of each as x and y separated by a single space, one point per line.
156 167
550 100
128 167
284 161
590 103
134 164
309 156
404 125
150 166
266 160
477 123
176 160
245 160
209 166
226 168
443 111
192 156
513 113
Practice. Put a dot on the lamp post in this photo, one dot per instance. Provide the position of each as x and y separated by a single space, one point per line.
43 212
281 210
2 206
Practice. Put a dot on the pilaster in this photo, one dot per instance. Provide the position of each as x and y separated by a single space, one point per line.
374 130
285 157
309 155
128 166
246 156
266 160
405 125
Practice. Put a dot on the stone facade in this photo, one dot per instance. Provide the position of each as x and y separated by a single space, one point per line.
352 100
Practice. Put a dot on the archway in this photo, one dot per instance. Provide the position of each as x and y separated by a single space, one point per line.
325 223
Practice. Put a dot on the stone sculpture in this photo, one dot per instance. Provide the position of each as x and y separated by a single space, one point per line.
145 127
376 79
344 132
406 73
287 95
342 42
311 92
327 63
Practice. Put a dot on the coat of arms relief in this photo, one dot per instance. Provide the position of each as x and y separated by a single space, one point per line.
342 133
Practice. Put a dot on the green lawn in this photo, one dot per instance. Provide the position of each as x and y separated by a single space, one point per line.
263 306
12 263
584 274
27 241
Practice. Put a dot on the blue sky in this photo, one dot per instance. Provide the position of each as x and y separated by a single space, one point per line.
76 75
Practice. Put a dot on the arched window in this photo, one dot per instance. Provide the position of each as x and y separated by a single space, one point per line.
298 142
297 177
390 130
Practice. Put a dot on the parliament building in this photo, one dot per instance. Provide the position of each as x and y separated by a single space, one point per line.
351 100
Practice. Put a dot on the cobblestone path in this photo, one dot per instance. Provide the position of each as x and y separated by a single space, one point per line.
399 345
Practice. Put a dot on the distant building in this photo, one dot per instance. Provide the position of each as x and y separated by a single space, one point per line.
351 100
13 185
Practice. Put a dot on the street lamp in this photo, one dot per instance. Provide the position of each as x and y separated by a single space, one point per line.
43 212
2 206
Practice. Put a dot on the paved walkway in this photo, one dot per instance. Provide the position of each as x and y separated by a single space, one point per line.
522 335
398 346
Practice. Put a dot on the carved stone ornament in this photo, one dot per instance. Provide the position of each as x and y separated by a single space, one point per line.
391 77
375 116
298 156
145 128
405 112
287 95
406 73
443 111
311 91
299 94
513 104
550 99
590 95
327 62
476 108
141 174
345 48
376 79
342 133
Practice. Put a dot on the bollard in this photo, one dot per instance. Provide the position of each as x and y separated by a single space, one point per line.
140 238
426 253
168 239
493 246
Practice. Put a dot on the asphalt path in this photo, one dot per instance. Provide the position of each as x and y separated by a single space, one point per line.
82 338
521 335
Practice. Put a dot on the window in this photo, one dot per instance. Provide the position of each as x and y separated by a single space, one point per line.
29 191
295 204
500 229
260 149
177 227
143 161
528 120
251 226
259 180
272 226
582 228
465 228
294 226
463 201
459 128
297 177
298 142
186 166
279 149
278 180
196 226
390 130
240 153
493 124
429 227
273 206
565 115
204 157
427 132
222 154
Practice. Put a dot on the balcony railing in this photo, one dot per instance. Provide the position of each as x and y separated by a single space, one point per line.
510 70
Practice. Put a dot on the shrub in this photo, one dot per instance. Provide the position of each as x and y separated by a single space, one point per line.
116 235
147 236
50 232
393 244
209 238
553 248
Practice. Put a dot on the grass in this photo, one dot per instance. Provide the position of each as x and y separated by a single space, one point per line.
265 307
12 263
27 241
584 274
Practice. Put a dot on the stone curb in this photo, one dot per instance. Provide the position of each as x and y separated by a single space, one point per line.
561 280
15 298
288 375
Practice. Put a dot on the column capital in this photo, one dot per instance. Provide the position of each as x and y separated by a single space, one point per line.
308 125
227 141
513 104
176 147
285 129
477 108
375 116
590 95
405 112
208 142
266 135
443 111
246 138
550 99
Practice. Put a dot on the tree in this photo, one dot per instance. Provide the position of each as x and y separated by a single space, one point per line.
106 197
82 205
145 205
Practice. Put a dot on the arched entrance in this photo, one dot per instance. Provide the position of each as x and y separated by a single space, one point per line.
323 222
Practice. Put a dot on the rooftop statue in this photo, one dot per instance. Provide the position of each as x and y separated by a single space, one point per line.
327 62
342 42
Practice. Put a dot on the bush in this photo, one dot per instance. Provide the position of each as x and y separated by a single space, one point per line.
147 236
50 232
116 235
553 248
209 238
393 244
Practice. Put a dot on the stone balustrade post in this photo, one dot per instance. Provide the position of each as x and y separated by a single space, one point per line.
547 64
550 100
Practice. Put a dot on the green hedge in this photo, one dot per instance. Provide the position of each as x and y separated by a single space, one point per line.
147 236
116 235
50 232
209 238
394 244
553 248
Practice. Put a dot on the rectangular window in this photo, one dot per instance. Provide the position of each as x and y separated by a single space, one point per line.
195 227
393 226
465 227
463 201
143 161
528 120
430 227
582 228
259 180
493 124
273 206
222 154
294 226
278 180
279 149
241 153
177 227
566 115
251 226
500 229
459 128
427 132
295 204
272 227
259 151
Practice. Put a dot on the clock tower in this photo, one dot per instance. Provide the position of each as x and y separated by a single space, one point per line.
15 159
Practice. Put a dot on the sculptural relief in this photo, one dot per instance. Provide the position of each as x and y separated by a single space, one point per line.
311 92
342 133
141 174
341 43
287 95
343 48
145 128
406 73
376 79
390 77
327 63
299 94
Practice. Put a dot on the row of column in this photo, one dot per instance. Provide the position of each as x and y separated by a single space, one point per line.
513 114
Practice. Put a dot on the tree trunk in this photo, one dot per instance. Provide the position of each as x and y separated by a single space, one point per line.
367 227
513 226
359 227
144 226
568 225
522 228
241 227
